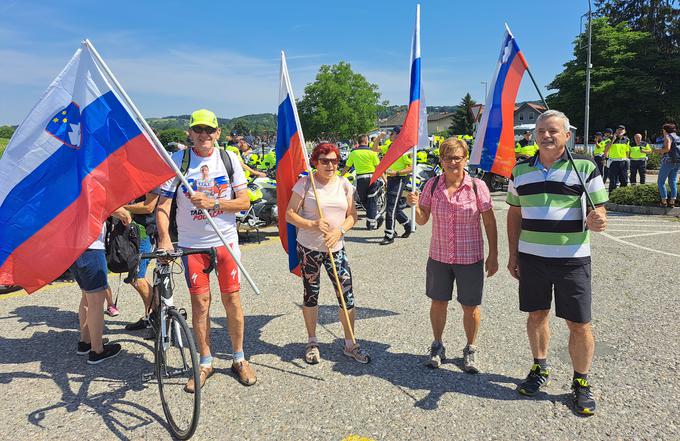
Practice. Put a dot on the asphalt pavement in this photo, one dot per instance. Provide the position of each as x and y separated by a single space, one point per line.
51 393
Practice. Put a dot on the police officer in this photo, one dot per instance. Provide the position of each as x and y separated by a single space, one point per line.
397 175
386 145
618 153
365 161
598 153
525 148
638 159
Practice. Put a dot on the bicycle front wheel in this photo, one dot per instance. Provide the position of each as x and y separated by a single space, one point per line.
176 364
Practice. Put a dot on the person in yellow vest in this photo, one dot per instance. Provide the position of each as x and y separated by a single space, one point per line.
397 175
525 148
364 160
638 159
390 140
618 153
598 152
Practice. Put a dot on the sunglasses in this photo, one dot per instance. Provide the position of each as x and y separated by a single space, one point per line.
329 161
452 158
204 129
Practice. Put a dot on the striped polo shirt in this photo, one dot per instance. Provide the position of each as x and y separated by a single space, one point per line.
552 203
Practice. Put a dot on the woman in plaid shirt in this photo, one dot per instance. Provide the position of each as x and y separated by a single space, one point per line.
456 202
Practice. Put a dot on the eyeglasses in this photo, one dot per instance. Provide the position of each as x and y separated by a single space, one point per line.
452 158
329 161
204 129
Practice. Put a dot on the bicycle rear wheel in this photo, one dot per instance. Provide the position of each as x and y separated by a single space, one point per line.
176 363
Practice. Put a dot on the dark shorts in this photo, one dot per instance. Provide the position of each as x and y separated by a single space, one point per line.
469 282
572 284
90 271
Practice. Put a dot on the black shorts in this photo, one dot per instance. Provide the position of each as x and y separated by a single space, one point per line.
572 283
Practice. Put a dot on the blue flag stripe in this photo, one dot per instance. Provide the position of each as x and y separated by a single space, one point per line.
106 126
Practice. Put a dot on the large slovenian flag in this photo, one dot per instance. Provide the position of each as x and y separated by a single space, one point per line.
78 156
291 161
414 131
494 148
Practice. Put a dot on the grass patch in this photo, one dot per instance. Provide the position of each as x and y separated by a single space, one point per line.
3 144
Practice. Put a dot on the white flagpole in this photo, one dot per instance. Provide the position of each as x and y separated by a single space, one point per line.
414 160
165 155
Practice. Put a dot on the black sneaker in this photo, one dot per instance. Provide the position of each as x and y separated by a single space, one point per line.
582 397
408 231
437 355
536 379
140 324
387 240
84 348
109 351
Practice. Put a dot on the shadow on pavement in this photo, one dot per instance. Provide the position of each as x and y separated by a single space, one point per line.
56 352
407 372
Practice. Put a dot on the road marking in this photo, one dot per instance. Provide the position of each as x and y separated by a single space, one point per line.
616 239
648 234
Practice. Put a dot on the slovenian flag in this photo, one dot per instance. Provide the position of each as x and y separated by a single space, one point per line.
291 161
414 131
78 156
494 148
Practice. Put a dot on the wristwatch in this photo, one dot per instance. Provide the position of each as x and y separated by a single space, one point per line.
216 206
342 231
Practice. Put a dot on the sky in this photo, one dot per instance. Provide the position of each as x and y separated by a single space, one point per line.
173 57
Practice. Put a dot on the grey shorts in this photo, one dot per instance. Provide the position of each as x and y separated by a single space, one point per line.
469 282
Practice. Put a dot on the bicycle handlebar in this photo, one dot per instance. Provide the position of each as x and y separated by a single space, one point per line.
164 254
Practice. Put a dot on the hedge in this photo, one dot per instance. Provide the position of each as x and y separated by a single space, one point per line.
641 195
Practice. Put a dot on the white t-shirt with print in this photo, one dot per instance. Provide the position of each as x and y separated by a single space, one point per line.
207 175
98 243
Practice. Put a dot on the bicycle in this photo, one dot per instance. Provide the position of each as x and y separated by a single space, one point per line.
175 355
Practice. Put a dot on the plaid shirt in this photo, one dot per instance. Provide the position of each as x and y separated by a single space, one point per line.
456 230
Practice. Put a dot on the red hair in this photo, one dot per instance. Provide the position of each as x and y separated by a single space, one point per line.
323 149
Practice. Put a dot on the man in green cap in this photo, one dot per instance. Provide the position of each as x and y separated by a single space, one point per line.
220 187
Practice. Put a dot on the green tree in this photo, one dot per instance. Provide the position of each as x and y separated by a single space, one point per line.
240 127
7 131
463 120
172 135
625 84
339 104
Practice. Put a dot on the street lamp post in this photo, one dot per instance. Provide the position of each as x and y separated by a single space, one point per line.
588 67
485 87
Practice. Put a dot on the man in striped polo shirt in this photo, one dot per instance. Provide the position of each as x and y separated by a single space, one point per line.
549 242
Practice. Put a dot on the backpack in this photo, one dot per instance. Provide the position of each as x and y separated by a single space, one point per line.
186 159
122 246
674 153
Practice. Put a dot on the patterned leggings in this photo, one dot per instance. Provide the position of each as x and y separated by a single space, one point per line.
310 267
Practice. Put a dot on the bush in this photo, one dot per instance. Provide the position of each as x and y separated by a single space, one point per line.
653 162
641 195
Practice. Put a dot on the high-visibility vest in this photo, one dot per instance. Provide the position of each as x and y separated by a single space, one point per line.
620 149
600 146
639 151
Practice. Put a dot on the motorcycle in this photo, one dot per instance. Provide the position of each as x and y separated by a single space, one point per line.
263 211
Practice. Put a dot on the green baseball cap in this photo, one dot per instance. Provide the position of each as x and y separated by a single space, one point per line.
203 117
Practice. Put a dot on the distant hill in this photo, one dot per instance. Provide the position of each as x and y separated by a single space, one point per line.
256 123
388 111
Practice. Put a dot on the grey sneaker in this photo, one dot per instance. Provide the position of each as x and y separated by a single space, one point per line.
437 355
469 362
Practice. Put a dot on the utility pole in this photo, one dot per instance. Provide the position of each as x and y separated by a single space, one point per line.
486 84
588 67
